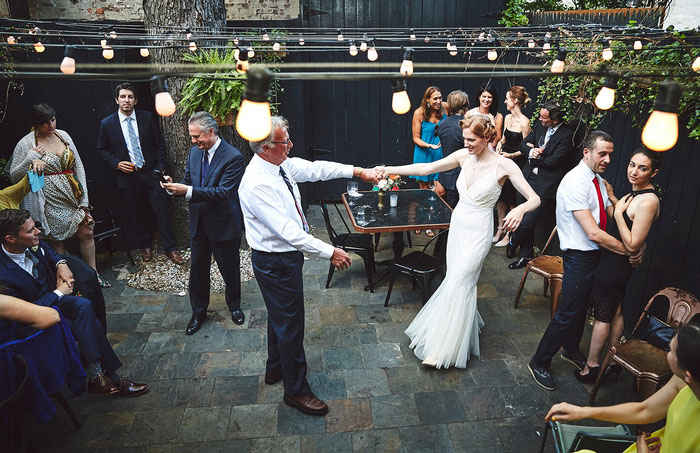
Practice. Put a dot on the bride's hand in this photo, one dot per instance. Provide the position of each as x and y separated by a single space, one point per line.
381 172
512 220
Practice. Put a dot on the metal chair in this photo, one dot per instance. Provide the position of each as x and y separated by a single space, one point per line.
601 439
551 268
110 226
645 361
13 435
420 266
355 243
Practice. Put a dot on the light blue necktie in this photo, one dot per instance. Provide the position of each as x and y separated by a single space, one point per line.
550 131
137 158
35 262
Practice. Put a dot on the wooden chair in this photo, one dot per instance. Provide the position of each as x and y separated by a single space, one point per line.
647 362
551 268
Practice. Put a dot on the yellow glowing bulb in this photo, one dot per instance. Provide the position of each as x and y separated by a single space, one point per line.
607 54
266 37
546 47
353 50
406 68
253 121
39 47
531 44
481 36
453 50
492 55
251 53
144 52
696 64
638 45
108 53
557 66
103 43
605 98
301 40
242 66
661 131
68 65
193 46
363 46
340 37
165 106
372 54
276 47
412 37
400 103
11 40
113 34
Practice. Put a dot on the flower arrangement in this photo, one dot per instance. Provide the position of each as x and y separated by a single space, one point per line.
390 182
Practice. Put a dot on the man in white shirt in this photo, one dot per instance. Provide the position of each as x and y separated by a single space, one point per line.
582 208
278 233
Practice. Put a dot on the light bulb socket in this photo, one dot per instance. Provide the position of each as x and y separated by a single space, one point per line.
408 53
561 54
352 42
158 85
70 51
257 87
606 43
398 85
668 97
340 31
610 81
370 44
243 53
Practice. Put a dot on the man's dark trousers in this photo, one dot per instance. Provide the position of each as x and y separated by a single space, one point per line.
87 285
280 278
227 256
566 328
524 236
145 183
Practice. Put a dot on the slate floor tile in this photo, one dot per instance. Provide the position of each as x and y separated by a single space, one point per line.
257 319
176 366
204 341
393 411
204 423
366 382
258 420
189 393
284 444
439 407
474 436
291 422
245 340
328 385
409 379
426 438
342 358
488 373
384 440
335 442
381 355
155 426
128 343
484 403
235 391
164 342
351 414
123 322
218 364
337 315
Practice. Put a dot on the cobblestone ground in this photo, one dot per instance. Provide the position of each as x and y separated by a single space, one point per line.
207 390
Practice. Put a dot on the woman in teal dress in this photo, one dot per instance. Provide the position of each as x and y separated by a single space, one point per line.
426 120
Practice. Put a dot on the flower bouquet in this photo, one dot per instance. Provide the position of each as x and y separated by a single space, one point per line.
391 182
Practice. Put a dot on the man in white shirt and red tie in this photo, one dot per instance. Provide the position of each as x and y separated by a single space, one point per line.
582 208
277 231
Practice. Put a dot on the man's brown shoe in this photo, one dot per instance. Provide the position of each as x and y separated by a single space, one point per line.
175 257
147 254
308 404
101 385
128 388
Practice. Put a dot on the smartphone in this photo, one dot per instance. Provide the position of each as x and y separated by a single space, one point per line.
160 176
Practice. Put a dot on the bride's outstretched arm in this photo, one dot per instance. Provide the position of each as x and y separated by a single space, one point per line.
447 163
515 216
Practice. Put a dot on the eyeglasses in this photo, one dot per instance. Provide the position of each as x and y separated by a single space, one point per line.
288 142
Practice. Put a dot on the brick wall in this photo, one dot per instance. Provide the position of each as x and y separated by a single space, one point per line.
131 10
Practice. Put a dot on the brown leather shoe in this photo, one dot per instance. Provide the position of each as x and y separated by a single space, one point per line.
147 254
308 404
175 257
128 388
101 385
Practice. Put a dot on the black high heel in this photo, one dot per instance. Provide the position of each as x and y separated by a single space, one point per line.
587 378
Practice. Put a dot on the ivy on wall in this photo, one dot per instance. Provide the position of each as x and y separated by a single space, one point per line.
515 14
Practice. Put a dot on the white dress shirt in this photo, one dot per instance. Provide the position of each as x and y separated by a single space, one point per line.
547 136
272 222
23 261
577 192
124 123
210 155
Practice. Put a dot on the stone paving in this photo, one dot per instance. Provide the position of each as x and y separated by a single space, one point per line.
207 390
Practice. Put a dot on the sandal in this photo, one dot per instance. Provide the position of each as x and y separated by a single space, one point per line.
103 283
498 236
429 233
504 241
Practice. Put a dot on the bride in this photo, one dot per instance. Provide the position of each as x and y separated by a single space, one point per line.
447 328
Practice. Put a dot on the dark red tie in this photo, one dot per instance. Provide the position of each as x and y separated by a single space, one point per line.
601 207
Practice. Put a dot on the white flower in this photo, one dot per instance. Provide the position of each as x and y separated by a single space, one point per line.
382 184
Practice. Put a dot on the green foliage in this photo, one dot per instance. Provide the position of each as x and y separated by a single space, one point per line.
515 14
634 96
220 91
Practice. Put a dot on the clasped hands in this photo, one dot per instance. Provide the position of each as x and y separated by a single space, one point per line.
64 279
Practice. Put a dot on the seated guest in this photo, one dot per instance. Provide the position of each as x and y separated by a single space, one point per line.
32 271
678 401
12 196
17 310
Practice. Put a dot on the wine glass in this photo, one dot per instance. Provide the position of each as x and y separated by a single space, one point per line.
353 189
431 185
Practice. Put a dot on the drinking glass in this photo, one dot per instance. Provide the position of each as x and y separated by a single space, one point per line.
431 185
360 216
393 200
352 189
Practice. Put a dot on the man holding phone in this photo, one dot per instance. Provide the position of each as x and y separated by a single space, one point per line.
212 176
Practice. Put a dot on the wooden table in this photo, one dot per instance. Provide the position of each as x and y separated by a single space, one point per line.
416 209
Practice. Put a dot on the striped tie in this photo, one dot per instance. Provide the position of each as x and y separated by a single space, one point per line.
137 156
296 205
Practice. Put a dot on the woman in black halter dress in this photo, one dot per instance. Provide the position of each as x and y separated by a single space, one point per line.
614 271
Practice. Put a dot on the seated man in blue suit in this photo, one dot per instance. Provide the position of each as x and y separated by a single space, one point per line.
212 176
31 270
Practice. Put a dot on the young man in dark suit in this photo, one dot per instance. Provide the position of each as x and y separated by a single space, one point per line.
212 176
131 144
549 148
32 271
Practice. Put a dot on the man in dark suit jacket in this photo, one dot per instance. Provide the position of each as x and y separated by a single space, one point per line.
31 270
131 144
549 148
451 139
213 174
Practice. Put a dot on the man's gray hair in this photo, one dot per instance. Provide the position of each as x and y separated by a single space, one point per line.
278 122
458 102
204 120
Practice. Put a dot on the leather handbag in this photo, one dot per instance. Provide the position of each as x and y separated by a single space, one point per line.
655 331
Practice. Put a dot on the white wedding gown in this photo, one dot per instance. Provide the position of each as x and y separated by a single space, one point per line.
447 328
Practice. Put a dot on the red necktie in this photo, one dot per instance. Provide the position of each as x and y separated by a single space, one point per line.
601 207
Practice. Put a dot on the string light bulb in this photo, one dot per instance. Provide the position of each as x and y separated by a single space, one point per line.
353 48
412 35
531 43
193 46
112 33
103 43
407 64
144 52
165 106
254 122
452 47
638 45
660 133
547 46
696 64
68 63
363 43
265 36
482 36
607 51
11 40
340 35
251 52
606 96
108 53
492 55
400 103
301 39
188 33
242 65
372 53
276 46
39 47
559 62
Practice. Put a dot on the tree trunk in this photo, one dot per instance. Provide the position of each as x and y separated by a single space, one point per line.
161 15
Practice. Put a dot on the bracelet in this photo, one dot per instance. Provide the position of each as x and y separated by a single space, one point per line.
359 173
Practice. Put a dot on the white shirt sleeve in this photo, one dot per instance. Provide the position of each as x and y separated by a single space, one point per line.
576 198
301 170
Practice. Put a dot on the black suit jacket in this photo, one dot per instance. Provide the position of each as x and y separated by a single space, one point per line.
451 139
553 163
111 145
215 199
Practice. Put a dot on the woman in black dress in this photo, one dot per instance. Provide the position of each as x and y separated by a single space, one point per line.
633 214
516 126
